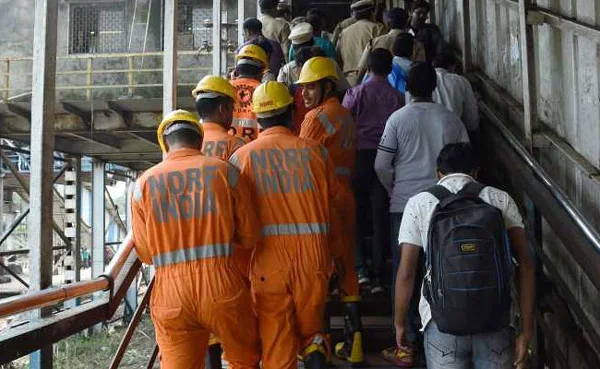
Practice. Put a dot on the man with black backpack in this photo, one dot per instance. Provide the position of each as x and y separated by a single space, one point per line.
468 232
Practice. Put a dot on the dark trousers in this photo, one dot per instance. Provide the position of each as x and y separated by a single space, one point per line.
372 217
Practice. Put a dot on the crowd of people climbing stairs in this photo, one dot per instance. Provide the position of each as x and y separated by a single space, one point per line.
317 157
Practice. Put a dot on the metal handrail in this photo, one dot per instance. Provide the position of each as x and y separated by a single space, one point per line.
87 72
52 296
585 240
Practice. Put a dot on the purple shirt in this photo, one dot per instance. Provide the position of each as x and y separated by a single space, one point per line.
371 104
276 58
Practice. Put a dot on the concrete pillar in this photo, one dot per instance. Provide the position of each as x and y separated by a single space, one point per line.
43 101
216 51
98 217
170 57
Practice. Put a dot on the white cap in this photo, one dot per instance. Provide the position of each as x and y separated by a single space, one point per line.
362 5
302 33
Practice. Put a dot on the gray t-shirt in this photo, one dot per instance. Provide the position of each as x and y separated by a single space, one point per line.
408 150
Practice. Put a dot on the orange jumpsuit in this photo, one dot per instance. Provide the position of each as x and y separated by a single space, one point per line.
244 123
290 269
187 213
332 125
217 142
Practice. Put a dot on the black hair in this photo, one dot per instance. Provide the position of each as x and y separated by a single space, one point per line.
208 107
284 119
396 18
315 21
380 61
444 60
264 44
404 45
184 137
422 80
249 70
302 54
268 4
457 158
253 26
420 4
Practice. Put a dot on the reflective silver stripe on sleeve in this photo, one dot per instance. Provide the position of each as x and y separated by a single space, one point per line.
242 122
326 123
342 171
137 191
235 161
294 229
192 254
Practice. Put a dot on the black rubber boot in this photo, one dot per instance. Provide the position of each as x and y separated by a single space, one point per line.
213 357
351 348
315 360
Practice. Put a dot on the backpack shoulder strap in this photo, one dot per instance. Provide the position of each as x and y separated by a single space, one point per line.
472 189
440 192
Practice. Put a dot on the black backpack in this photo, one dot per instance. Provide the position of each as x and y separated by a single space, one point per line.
468 264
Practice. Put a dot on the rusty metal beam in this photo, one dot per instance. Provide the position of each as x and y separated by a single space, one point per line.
20 341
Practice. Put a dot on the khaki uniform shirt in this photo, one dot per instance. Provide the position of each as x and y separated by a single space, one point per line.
340 27
384 42
352 43
276 29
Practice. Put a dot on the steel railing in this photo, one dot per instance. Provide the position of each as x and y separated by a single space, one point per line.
580 238
117 278
20 67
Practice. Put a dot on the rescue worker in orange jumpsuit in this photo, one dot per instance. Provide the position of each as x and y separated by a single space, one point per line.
187 213
295 187
332 125
215 97
250 64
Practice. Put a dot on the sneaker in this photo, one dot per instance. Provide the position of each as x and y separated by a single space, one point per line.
402 357
376 286
363 279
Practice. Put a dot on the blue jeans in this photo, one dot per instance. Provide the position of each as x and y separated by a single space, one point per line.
479 351
412 319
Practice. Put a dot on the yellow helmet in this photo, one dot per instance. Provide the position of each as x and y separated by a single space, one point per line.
253 52
167 125
270 99
316 69
211 85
